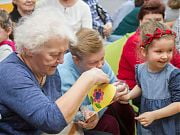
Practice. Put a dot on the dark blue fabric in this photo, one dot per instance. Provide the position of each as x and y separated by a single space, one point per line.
165 126
25 107
174 87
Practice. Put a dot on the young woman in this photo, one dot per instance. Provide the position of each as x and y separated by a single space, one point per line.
87 54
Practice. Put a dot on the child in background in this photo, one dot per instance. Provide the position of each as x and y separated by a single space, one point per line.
158 82
7 46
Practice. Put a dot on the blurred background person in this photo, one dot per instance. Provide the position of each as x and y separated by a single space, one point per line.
77 12
102 21
7 46
130 22
172 10
22 8
123 10
176 28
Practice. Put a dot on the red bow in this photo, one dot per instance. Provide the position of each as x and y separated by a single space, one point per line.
158 33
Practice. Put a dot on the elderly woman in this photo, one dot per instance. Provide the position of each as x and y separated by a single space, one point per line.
30 85
89 53
22 8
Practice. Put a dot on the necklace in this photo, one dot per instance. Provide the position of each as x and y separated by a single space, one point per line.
42 81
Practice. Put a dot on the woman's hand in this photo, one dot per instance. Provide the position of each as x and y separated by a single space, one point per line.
146 118
91 120
124 99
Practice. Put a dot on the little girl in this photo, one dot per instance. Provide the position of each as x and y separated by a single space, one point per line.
158 82
6 45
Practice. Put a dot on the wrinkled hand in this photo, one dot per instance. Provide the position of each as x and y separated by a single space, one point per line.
146 118
96 75
107 29
121 90
91 121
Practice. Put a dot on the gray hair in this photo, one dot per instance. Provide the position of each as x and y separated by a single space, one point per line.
42 25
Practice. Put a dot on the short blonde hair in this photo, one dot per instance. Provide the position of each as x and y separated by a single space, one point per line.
88 41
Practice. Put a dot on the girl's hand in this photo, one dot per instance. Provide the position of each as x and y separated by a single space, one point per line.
121 90
146 118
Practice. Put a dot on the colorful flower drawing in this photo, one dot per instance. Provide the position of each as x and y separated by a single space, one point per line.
101 96
98 95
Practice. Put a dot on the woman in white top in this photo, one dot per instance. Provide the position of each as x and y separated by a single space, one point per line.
77 12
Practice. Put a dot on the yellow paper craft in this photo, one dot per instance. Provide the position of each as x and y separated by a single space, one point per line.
101 96
7 5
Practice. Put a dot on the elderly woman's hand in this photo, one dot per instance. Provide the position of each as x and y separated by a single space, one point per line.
96 75
121 90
